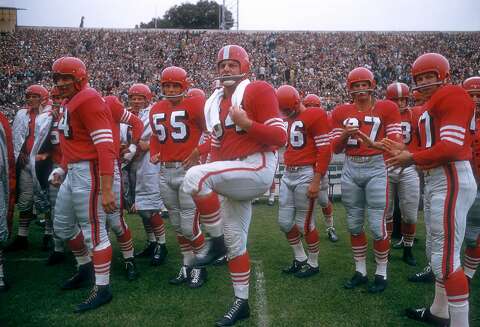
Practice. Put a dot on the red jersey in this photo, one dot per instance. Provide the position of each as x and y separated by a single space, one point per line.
87 131
444 128
176 129
267 132
476 150
382 120
28 145
121 116
409 129
309 140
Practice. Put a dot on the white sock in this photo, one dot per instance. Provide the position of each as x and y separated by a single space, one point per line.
299 251
361 266
439 306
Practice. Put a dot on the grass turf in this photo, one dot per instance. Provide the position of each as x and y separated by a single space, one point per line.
35 298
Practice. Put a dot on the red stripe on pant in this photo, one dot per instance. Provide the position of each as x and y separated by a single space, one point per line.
384 217
93 205
202 180
449 219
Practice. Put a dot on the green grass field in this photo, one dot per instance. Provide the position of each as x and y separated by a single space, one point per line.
35 298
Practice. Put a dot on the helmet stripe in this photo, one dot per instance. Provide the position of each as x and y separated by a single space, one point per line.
399 90
226 52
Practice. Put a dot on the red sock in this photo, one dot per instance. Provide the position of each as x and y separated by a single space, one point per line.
381 249
313 241
79 250
239 268
389 224
408 232
471 260
198 243
158 227
359 246
184 243
125 243
102 259
293 236
328 210
209 208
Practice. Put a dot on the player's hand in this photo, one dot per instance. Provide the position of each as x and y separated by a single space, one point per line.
362 137
349 131
155 158
132 209
240 117
401 160
108 201
41 156
22 159
56 177
314 187
192 159
394 148
129 153
144 145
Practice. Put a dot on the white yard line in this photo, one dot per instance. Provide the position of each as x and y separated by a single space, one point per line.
261 294
27 259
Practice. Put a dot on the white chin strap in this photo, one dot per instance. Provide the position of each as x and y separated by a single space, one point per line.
230 79
420 87
173 96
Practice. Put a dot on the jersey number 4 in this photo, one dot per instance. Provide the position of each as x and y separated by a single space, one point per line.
179 132
64 125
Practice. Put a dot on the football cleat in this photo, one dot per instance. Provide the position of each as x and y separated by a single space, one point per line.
379 284
84 276
215 248
332 234
198 277
182 277
425 276
55 258
47 242
424 315
147 252
100 295
356 280
164 214
131 269
19 243
238 311
307 271
40 223
159 254
220 261
295 267
408 257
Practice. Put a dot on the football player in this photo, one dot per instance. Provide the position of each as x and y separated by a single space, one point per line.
450 186
357 129
306 158
246 128
404 183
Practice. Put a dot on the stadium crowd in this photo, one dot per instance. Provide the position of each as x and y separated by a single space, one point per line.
313 62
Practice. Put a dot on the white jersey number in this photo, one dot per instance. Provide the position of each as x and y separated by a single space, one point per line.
64 125
179 128
374 121
426 120
407 132
297 135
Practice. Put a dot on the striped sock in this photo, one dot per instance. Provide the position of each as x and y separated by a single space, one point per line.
102 259
471 260
158 227
79 250
328 214
239 268
456 286
294 239
408 232
313 244
359 248
125 243
208 207
381 249
186 250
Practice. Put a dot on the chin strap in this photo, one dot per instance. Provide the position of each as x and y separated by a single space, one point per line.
420 87
366 91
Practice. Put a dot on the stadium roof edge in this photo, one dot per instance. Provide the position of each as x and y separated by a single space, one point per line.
13 8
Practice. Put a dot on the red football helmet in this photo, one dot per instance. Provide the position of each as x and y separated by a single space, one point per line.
397 90
140 89
194 92
176 75
360 74
431 62
472 84
288 99
73 67
38 90
312 100
237 53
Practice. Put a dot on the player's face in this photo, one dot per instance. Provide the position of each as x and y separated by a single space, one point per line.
426 79
66 86
33 100
359 87
137 102
171 89
476 98
229 68
401 103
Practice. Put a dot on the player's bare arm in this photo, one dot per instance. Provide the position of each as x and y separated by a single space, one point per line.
108 198
314 186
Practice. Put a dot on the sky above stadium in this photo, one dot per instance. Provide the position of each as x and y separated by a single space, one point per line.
418 15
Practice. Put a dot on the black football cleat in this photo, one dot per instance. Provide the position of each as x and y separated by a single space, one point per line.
408 257
147 252
84 276
55 258
131 269
198 277
294 267
356 280
159 254
332 234
20 243
425 276
238 311
47 242
307 271
424 315
164 214
379 285
182 277
220 261
100 295
215 249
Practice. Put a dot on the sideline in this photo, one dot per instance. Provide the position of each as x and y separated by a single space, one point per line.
261 294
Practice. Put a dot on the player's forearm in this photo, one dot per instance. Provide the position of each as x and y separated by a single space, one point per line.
440 153
106 183
106 158
324 155
339 144
269 135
